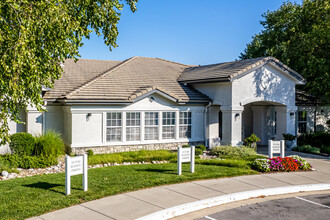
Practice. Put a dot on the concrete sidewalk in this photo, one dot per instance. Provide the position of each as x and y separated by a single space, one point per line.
140 203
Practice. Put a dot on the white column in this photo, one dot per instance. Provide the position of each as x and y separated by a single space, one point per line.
291 119
232 125
213 126
34 121
259 119
281 112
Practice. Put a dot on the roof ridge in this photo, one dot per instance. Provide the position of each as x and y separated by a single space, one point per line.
101 75
170 61
95 59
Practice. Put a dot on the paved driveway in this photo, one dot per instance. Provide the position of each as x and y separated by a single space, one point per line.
303 208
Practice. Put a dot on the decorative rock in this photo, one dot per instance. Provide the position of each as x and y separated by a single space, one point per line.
4 174
105 165
30 170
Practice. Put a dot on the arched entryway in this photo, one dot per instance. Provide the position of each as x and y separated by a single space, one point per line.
268 120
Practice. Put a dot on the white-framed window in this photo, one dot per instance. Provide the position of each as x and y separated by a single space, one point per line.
132 126
302 121
168 131
151 126
185 125
113 127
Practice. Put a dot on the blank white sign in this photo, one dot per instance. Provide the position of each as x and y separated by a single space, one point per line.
76 165
186 154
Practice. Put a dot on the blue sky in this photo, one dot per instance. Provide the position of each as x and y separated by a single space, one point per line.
186 31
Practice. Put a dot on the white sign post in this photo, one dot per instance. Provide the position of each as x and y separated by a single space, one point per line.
186 155
74 166
276 147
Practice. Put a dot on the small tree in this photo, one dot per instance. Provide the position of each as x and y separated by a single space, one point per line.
36 37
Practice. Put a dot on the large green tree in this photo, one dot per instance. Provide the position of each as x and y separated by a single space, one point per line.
299 36
36 36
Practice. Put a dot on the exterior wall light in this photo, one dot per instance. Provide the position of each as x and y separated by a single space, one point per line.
151 99
88 116
291 113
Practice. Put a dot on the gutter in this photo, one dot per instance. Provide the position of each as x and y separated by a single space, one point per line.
205 124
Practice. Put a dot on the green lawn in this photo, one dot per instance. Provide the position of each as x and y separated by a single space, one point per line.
32 196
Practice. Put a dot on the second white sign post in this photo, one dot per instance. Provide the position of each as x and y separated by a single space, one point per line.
186 155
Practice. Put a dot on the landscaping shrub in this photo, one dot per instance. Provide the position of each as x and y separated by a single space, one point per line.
315 139
90 152
49 144
22 143
198 151
289 137
133 156
230 151
185 146
26 162
325 149
290 163
5 167
307 149
201 146
252 139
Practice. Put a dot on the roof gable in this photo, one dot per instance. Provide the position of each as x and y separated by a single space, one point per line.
225 72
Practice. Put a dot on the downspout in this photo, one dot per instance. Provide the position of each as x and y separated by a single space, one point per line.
205 124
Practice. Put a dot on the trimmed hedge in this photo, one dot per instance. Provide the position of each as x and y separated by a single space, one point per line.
133 156
22 143
315 139
26 162
230 151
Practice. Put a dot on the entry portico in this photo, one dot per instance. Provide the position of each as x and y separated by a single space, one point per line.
249 96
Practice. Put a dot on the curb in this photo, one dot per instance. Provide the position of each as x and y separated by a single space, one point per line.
219 200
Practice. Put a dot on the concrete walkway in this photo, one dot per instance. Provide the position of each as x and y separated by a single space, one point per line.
140 203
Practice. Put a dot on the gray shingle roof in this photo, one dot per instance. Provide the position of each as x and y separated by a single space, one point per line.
115 81
229 70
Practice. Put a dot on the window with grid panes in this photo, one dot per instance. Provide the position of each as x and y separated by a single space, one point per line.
302 121
132 126
168 131
185 125
113 126
151 126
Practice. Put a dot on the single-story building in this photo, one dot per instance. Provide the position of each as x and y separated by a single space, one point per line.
152 103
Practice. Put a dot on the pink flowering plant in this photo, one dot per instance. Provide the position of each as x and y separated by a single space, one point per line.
290 163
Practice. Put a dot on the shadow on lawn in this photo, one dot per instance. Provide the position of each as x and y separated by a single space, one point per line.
48 186
166 171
